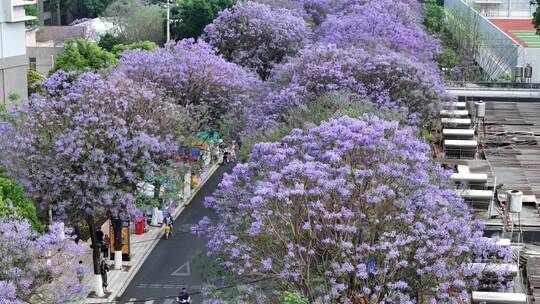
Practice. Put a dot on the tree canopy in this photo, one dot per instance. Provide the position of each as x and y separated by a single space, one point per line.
82 55
256 36
190 17
352 208
536 17
23 266
13 201
137 22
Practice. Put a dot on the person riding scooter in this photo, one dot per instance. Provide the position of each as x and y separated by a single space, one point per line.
183 297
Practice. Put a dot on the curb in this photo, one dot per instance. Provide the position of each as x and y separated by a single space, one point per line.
135 268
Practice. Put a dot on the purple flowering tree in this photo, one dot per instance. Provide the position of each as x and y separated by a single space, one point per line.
386 78
256 36
30 261
353 208
203 83
392 24
82 147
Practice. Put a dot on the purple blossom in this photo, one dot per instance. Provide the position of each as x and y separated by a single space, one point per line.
256 36
368 237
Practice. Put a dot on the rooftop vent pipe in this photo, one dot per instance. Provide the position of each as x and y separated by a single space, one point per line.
515 199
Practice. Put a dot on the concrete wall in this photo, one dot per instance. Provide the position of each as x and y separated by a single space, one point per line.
12 39
58 33
532 57
13 78
13 62
44 57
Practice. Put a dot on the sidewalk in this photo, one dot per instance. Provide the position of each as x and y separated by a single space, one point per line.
141 246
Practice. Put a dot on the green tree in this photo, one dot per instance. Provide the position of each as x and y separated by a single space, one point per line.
434 17
143 45
190 17
536 17
14 201
108 41
93 8
32 77
82 55
137 22
86 8
31 10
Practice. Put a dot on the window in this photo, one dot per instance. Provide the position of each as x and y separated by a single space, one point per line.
46 6
33 64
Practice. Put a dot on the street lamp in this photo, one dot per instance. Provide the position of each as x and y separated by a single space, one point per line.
168 20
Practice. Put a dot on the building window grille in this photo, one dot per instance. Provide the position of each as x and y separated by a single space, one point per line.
33 64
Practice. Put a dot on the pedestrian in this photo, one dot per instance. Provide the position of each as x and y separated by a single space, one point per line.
225 155
103 269
105 246
80 272
76 233
183 297
233 151
99 235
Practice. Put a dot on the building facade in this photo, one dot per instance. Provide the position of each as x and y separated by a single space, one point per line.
13 61
504 8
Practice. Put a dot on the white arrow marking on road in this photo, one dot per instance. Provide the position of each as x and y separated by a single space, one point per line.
183 270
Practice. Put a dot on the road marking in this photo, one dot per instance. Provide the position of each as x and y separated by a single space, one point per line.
149 302
183 270
168 301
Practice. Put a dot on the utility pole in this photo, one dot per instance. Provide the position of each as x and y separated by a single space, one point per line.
168 21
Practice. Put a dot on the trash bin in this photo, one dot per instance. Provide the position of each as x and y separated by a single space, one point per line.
139 225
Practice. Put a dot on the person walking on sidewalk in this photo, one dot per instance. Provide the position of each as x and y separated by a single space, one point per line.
104 268
233 152
80 272
105 246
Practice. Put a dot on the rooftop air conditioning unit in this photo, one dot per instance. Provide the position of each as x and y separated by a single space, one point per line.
519 71
528 71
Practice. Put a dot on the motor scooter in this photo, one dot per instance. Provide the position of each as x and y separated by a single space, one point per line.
167 232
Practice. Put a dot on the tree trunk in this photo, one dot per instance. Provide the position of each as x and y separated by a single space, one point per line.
157 189
117 230
96 255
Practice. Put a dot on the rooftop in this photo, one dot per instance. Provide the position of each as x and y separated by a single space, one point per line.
510 156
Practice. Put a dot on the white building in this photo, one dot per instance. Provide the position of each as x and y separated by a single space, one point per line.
13 61
504 8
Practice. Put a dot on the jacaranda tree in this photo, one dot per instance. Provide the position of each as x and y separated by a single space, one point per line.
203 83
29 261
256 36
351 209
392 24
386 78
82 147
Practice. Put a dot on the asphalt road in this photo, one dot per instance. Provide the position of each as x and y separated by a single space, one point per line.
179 261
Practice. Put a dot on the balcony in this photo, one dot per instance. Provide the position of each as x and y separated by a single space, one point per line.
22 2
488 1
